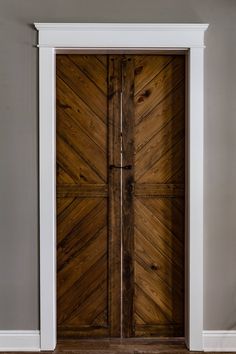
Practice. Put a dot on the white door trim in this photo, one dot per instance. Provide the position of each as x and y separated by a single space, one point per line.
15 341
54 37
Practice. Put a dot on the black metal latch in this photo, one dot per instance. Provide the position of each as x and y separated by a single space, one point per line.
127 167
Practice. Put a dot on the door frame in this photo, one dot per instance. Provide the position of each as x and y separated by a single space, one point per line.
78 38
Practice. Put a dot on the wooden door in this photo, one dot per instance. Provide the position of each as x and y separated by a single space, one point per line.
108 105
153 195
88 220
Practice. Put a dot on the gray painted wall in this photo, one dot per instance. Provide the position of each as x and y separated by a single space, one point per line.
19 290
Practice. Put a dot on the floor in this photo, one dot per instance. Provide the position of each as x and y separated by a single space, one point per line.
119 346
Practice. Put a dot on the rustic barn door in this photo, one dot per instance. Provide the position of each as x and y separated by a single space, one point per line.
120 195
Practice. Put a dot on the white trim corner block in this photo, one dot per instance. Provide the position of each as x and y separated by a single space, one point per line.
120 36
219 341
16 341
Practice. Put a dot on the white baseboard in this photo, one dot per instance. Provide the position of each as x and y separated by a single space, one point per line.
219 341
213 341
19 341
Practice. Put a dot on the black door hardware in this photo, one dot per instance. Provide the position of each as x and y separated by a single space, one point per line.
127 167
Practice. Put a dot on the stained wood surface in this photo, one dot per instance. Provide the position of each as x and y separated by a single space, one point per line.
94 93
127 63
114 92
159 160
88 246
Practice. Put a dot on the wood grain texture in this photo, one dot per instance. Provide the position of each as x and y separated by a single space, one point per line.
127 193
114 92
159 143
95 96
88 248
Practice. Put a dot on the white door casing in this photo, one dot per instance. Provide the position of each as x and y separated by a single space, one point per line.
93 37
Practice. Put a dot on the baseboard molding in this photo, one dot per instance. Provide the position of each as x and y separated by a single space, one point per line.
19 341
213 341
219 341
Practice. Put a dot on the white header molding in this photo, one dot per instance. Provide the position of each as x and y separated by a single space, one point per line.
120 35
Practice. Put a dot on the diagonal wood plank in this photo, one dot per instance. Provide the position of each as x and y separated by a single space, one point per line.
92 306
63 176
82 231
62 204
156 262
169 107
159 145
81 113
82 290
167 168
82 85
148 224
158 88
77 267
73 215
93 69
77 140
168 214
154 288
75 167
147 67
146 309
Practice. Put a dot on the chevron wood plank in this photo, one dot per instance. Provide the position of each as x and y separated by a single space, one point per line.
62 176
81 114
92 306
71 270
151 227
157 262
62 204
147 310
159 87
77 169
171 215
153 286
82 85
169 168
147 67
73 216
159 145
81 233
81 143
93 69
81 290
171 105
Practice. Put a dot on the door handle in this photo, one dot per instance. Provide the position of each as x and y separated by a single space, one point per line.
126 167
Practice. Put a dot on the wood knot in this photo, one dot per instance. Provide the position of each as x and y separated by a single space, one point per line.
154 266
138 70
144 94
63 105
